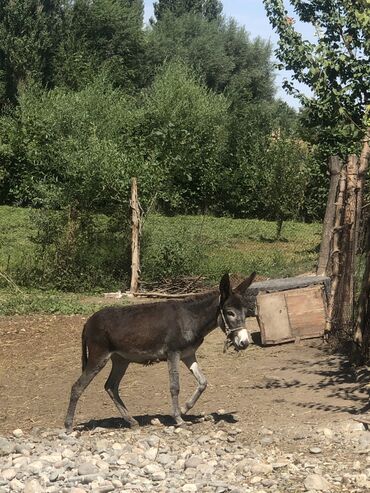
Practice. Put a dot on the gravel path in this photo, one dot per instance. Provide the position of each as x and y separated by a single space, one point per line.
208 456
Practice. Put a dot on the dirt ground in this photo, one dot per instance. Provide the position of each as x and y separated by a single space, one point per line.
284 387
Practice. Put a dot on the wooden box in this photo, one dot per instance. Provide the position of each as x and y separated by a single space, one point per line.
293 314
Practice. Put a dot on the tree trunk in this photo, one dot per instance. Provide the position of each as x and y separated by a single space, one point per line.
335 165
349 232
279 227
135 238
361 328
336 250
361 178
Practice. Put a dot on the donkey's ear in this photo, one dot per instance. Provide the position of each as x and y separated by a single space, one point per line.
241 289
225 288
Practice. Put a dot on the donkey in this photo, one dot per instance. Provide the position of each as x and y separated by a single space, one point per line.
164 331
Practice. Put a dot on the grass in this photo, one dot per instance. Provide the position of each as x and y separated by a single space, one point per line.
242 245
16 247
212 246
51 302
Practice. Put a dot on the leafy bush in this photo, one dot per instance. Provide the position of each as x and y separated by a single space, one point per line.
79 251
183 125
74 149
169 251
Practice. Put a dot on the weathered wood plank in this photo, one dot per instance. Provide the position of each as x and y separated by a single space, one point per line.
293 314
284 284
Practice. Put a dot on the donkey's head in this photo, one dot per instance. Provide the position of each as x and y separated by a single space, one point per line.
232 312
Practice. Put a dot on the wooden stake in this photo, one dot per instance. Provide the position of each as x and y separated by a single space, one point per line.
363 303
351 225
361 178
135 237
336 252
335 165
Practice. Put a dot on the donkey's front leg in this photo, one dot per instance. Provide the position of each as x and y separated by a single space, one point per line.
173 368
192 365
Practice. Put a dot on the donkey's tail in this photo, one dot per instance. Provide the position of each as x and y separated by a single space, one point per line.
84 348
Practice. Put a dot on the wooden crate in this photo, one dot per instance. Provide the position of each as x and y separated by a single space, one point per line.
289 315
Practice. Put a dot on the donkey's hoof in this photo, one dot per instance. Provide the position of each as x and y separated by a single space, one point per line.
180 423
133 424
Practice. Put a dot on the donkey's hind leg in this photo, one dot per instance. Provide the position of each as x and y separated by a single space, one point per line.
95 363
119 367
192 365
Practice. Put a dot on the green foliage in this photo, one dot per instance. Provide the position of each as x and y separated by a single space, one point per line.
219 51
29 31
47 302
286 175
78 251
235 245
16 248
169 251
74 149
209 9
336 66
192 245
183 126
101 35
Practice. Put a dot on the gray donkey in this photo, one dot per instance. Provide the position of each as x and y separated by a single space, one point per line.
165 331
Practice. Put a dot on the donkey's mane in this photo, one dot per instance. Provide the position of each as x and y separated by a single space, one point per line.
198 297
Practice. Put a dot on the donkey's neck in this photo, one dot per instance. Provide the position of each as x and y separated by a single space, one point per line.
203 310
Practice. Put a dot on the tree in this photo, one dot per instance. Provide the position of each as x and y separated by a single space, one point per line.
221 52
209 9
336 66
286 170
29 32
184 126
102 35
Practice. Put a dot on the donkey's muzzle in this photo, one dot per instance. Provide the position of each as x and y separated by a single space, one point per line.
241 339
243 344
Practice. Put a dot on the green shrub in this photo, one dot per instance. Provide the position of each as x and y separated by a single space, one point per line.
169 253
80 251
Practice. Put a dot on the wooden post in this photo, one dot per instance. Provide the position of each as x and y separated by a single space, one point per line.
335 165
336 249
349 232
361 332
361 177
135 237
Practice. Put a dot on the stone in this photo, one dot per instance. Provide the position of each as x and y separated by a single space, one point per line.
87 468
189 487
165 459
67 453
6 447
316 482
18 433
151 453
255 480
261 468
328 432
16 485
33 486
153 468
8 474
35 467
315 450
193 461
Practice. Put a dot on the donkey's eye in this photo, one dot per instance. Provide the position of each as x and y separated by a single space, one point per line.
230 313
